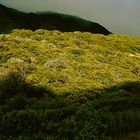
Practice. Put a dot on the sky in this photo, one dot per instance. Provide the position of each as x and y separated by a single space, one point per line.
118 16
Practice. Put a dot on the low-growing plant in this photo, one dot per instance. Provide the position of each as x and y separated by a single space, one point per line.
69 86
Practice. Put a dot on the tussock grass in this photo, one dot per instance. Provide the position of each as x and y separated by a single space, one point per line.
72 61
76 85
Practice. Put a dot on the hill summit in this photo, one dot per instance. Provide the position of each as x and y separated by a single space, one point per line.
11 19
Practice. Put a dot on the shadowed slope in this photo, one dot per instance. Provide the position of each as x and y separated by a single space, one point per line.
32 112
11 19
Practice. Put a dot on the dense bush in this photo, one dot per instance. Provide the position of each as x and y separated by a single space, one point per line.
12 84
112 115
93 85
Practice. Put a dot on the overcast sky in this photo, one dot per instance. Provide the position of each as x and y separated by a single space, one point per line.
118 16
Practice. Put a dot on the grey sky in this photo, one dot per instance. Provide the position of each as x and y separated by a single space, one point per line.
118 16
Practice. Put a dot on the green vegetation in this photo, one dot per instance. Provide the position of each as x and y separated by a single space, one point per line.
69 86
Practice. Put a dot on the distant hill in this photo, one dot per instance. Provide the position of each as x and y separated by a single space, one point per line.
11 19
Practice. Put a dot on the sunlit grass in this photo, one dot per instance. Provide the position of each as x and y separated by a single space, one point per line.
72 61
68 86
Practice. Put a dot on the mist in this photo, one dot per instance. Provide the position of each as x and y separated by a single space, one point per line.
118 16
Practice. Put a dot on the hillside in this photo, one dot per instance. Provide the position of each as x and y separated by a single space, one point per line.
69 85
11 19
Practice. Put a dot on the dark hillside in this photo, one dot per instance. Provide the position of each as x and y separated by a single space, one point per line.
11 19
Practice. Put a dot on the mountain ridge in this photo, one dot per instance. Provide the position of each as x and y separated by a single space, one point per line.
12 18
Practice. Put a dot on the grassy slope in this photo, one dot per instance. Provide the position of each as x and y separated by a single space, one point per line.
72 85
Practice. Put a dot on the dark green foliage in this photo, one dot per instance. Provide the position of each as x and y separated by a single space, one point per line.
14 83
131 87
90 114
128 87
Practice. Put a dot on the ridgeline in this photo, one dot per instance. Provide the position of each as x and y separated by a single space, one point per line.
13 19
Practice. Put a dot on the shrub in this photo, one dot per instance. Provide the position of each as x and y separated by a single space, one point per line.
12 84
15 83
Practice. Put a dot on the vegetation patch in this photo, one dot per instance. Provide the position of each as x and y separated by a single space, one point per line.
68 86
